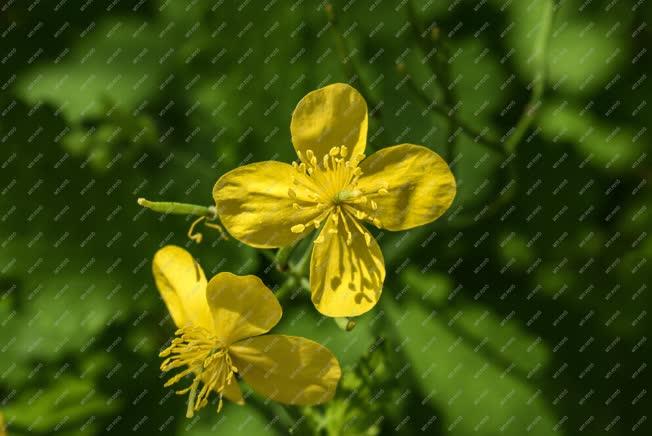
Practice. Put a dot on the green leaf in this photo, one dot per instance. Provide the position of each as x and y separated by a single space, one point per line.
583 52
480 82
608 147
232 420
475 394
117 63
64 403
431 287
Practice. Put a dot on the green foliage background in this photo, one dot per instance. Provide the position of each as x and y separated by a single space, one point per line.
522 311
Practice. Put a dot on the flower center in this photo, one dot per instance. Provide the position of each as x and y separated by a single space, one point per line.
331 183
206 358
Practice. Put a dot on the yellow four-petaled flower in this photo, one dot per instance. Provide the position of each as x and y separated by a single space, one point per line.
334 187
221 326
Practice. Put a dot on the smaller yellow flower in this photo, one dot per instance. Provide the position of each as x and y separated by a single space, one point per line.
221 333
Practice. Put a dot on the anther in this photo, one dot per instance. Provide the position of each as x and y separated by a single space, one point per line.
299 228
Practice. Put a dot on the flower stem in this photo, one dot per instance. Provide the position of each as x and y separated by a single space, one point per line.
169 207
283 255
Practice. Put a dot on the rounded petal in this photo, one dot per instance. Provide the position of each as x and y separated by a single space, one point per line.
254 204
242 306
182 284
330 117
346 280
420 186
287 369
233 393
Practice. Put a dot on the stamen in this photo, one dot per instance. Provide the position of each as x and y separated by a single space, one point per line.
197 237
204 356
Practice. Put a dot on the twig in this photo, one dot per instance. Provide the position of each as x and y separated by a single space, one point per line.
346 58
538 86
438 65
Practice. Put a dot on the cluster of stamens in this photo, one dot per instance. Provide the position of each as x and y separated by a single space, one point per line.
203 356
330 185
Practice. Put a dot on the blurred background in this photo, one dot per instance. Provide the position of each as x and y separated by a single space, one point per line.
523 310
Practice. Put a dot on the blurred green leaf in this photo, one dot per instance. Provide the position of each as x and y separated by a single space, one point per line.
118 62
609 147
63 404
583 52
232 420
475 394
433 288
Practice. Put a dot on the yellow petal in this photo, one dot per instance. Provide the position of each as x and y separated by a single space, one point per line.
330 117
254 204
287 369
233 393
182 284
346 280
410 185
242 306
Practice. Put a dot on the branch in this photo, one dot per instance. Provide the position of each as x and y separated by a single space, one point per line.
538 87
346 58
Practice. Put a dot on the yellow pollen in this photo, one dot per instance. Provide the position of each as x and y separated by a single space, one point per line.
203 356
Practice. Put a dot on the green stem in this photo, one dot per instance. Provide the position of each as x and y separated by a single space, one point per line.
541 47
283 255
169 207
346 57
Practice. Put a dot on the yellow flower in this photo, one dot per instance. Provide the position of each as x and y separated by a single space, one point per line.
221 333
273 204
